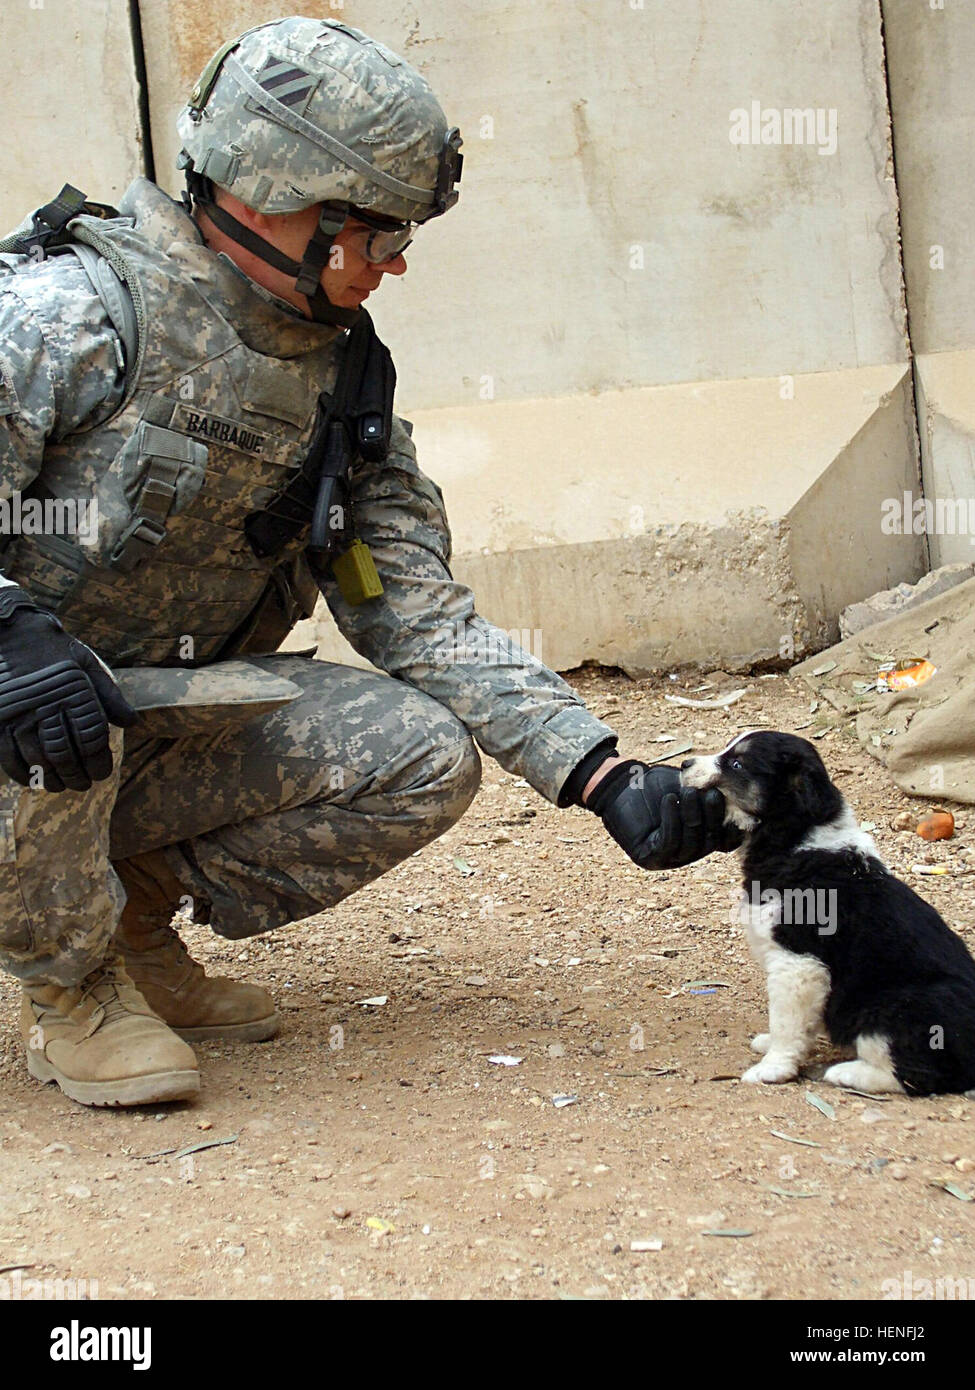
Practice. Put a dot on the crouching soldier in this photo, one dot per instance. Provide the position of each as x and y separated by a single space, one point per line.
201 378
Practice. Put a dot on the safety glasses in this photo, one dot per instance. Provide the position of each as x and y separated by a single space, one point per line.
378 241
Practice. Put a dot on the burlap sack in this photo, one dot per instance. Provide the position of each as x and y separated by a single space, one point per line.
925 736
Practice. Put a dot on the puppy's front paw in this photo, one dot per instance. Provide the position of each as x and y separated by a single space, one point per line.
843 1074
862 1076
772 1070
760 1043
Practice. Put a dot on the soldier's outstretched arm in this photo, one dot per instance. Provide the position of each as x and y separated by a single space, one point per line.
425 630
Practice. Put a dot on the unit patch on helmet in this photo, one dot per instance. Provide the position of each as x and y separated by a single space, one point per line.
292 86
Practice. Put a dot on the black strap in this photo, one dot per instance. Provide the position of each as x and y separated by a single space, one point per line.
49 222
306 273
355 421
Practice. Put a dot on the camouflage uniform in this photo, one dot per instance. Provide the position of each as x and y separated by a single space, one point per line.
279 815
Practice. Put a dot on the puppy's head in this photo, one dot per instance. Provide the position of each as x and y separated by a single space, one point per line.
768 777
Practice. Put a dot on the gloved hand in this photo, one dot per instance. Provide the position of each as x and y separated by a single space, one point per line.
56 700
659 823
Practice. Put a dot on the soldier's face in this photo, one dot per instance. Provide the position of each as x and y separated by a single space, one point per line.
349 278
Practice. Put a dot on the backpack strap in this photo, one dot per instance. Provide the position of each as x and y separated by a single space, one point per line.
47 232
115 295
45 228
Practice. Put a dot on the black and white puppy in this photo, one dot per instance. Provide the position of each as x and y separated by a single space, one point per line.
843 942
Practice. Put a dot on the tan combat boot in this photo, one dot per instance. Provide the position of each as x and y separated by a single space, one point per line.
102 1044
197 1007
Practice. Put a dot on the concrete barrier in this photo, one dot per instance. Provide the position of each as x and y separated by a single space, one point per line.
672 289
930 56
70 114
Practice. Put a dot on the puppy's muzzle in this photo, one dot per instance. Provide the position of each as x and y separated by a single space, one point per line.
700 772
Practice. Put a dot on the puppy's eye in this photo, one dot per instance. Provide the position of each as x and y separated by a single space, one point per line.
736 765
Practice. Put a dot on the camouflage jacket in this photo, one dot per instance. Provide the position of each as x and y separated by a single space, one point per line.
205 428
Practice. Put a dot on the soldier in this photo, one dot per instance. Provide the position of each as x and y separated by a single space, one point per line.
204 374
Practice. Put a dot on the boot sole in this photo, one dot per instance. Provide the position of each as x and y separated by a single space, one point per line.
131 1090
258 1030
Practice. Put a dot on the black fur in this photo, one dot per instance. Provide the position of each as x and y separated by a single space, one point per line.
896 968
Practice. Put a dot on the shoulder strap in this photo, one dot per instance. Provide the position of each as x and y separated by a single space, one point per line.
47 232
115 295
46 227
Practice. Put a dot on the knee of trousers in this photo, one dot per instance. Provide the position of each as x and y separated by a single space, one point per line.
454 774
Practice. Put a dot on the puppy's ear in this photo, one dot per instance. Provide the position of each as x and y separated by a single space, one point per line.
813 792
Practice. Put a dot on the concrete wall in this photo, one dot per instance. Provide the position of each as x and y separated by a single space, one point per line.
69 104
637 336
609 233
931 57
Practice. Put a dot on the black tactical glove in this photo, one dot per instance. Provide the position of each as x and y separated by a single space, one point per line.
659 823
56 700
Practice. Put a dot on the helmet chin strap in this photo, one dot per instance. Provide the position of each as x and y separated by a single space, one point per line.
307 272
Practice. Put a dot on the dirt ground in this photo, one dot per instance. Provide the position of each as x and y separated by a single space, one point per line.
376 1151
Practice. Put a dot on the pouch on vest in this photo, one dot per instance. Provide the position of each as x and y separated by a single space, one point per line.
154 476
291 594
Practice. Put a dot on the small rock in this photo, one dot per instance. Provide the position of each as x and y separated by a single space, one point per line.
904 821
476 980
341 1213
597 1048
536 1187
898 1172
277 1159
77 1189
965 1165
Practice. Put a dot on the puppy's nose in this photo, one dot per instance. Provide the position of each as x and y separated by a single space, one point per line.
688 762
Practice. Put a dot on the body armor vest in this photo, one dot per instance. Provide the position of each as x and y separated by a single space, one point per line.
218 413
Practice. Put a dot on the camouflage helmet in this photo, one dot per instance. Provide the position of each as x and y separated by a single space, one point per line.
306 111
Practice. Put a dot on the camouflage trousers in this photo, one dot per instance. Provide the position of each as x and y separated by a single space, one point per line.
263 822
